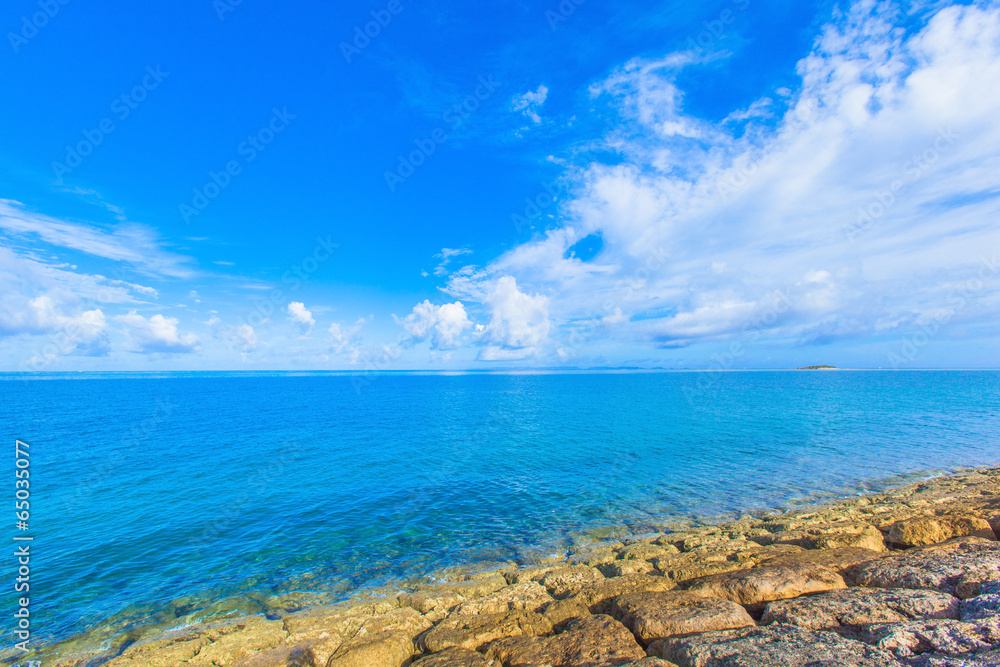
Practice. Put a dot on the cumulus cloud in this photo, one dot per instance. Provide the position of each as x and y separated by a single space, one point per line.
242 337
157 334
856 205
443 324
301 317
518 325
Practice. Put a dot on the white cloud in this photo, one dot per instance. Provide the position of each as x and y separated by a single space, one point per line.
242 337
158 334
445 256
530 102
80 334
347 340
301 317
136 244
852 206
443 324
518 323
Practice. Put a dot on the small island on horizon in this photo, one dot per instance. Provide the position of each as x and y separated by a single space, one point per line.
817 368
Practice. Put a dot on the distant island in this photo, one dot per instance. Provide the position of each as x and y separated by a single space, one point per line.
817 368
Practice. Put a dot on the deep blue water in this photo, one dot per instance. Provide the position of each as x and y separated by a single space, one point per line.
146 488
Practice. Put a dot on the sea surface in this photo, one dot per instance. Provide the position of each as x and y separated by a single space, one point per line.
150 488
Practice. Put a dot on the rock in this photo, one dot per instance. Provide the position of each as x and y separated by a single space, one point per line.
728 556
338 629
644 551
768 583
774 645
652 616
625 568
586 642
561 611
431 601
473 632
947 637
983 606
924 530
566 581
286 656
961 571
860 607
596 595
830 536
981 659
650 662
839 560
455 657
528 596
223 644
386 649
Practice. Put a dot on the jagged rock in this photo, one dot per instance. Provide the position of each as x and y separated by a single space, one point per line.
527 596
596 595
981 659
473 632
586 642
947 637
653 616
644 551
455 657
859 607
924 530
784 645
768 583
961 571
340 629
435 602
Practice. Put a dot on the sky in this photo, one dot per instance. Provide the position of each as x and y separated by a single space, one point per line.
441 185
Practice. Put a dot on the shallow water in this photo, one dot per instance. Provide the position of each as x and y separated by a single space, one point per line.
147 488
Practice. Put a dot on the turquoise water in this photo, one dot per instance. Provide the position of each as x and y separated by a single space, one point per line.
146 488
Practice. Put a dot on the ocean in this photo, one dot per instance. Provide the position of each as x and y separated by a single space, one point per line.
158 494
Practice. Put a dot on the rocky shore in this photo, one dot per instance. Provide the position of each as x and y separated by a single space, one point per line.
906 577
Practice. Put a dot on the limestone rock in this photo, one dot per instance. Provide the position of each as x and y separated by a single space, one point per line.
386 649
961 571
527 596
831 536
947 637
473 632
561 611
924 530
983 606
768 583
596 596
859 607
225 644
286 656
586 642
625 568
839 560
455 657
338 629
653 616
645 551
980 659
566 581
774 645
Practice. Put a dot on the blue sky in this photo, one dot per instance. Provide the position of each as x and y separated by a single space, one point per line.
731 184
